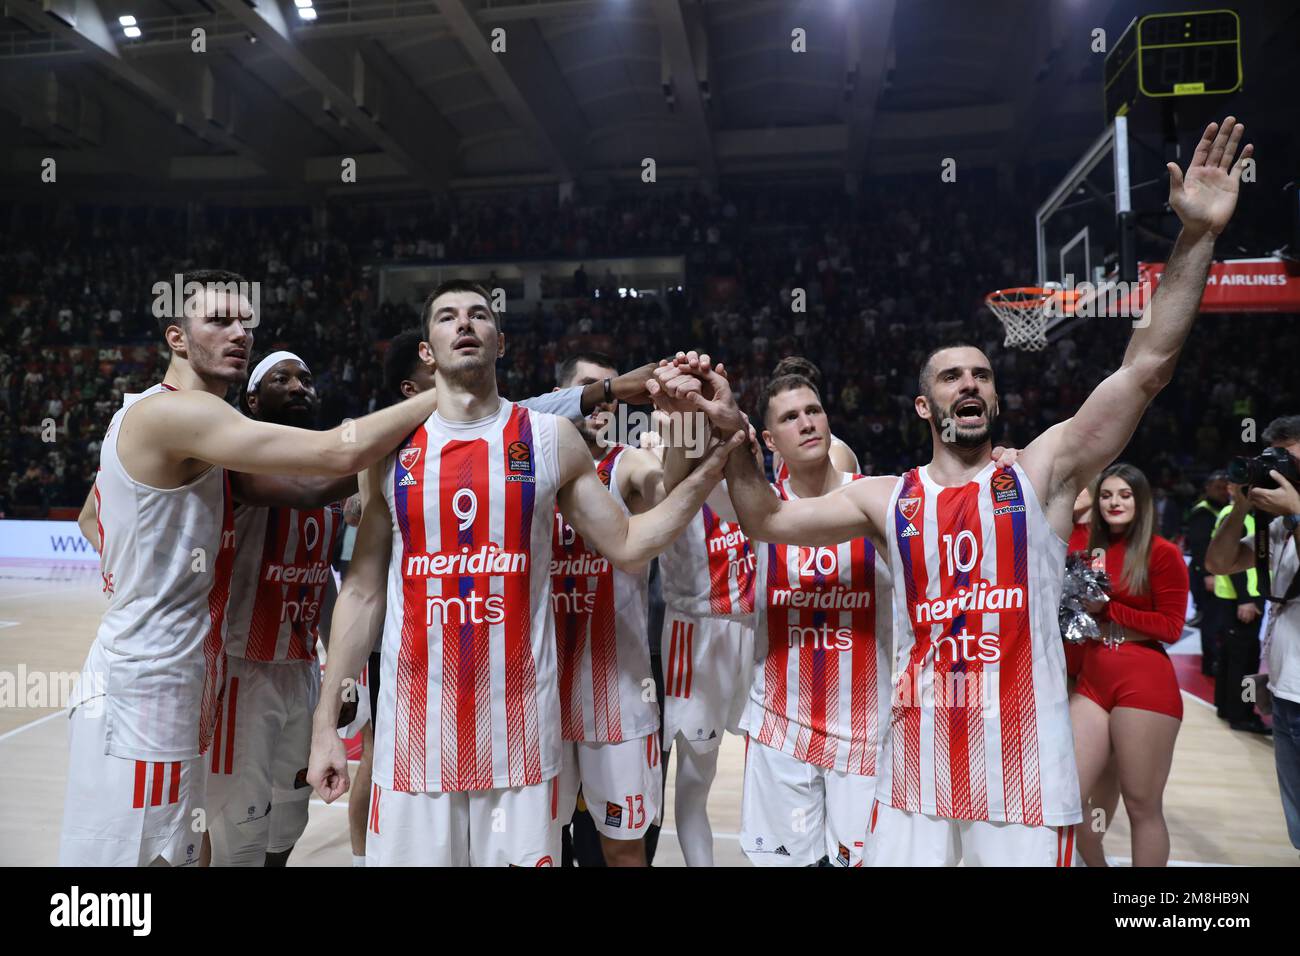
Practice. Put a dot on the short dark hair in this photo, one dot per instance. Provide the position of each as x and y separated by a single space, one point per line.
564 374
204 276
798 365
399 361
1283 429
923 376
456 285
780 384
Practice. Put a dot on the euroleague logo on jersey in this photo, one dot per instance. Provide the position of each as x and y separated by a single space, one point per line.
407 458
520 456
1005 487
909 508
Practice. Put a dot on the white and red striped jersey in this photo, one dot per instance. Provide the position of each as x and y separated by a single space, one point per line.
821 685
600 632
467 696
709 569
282 570
980 722
166 556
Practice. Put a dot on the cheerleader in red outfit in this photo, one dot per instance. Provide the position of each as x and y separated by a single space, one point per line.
1126 700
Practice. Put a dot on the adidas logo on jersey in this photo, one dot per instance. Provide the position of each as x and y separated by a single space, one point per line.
781 851
406 459
909 532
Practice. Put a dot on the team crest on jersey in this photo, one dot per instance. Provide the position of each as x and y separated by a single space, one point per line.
1005 487
613 814
908 508
603 474
842 856
407 458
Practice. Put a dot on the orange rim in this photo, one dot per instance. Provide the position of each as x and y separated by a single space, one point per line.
1030 295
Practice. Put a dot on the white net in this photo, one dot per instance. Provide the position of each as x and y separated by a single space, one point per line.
1024 314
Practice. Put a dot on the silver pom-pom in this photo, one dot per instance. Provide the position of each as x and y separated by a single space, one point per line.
1083 584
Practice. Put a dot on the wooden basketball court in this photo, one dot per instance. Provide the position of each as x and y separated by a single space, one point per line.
1222 801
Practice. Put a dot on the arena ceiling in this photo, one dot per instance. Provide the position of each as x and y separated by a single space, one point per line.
584 90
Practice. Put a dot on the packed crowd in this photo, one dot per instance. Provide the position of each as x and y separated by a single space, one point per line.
862 288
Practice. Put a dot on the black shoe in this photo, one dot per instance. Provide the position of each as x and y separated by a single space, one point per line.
1255 726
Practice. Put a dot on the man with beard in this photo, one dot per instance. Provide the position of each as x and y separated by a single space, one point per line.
146 707
257 776
452 566
979 761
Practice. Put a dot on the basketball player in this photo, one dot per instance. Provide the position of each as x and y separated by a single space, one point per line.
820 688
257 773
146 707
842 456
467 734
609 713
978 764
407 372
707 645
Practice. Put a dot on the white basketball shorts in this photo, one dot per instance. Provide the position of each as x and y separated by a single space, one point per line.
793 813
257 767
621 784
903 838
122 812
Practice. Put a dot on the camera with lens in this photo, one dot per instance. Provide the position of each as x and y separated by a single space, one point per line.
1254 472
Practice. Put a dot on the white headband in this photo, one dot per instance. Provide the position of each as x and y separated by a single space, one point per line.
268 363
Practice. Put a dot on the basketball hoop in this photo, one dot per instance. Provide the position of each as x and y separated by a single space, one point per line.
1024 312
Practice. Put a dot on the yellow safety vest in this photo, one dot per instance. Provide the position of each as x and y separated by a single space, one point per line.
1222 582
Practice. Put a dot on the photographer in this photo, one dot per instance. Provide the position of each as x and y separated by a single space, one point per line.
1274 495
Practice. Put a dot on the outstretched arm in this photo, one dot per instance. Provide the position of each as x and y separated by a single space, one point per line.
629 543
356 624
194 425
1204 200
809 522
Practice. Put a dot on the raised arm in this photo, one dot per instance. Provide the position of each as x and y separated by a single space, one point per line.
630 387
629 543
194 425
1204 201
355 626
641 479
1230 551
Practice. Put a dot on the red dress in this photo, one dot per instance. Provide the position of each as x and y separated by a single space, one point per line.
1139 675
